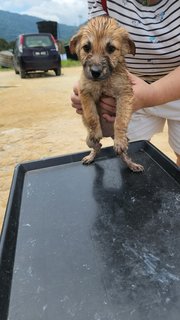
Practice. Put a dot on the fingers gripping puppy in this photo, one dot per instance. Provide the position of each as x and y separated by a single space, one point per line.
101 46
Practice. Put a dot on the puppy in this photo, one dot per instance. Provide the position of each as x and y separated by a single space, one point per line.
101 46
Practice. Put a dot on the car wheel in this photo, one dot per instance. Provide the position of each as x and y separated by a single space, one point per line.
57 71
22 74
16 71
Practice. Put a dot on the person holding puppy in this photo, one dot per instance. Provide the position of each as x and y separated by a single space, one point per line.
154 71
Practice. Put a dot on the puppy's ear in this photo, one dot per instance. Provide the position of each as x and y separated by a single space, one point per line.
75 40
128 46
73 43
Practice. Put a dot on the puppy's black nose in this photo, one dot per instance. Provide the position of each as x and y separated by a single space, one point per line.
96 71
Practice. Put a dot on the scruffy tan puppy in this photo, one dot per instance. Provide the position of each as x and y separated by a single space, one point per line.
101 46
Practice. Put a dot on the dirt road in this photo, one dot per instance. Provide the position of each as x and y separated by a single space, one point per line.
36 121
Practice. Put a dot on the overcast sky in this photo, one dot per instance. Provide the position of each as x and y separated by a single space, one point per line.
71 12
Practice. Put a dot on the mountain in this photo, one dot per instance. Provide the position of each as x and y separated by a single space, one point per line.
13 24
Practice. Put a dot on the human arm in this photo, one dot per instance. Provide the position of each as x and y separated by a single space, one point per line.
146 95
159 92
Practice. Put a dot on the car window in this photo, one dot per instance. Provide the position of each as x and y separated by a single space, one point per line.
37 41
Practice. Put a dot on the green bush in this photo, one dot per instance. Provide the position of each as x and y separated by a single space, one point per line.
70 63
5 69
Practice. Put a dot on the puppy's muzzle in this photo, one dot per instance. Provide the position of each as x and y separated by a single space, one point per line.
96 71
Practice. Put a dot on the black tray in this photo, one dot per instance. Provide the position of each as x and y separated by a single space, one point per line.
92 242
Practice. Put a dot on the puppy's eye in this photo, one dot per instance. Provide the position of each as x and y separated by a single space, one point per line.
110 48
87 47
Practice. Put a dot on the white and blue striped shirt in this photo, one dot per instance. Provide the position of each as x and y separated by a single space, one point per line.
154 29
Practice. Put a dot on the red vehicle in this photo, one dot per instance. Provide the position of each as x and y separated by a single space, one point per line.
36 52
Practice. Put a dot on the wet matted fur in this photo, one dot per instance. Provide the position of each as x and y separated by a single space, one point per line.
101 46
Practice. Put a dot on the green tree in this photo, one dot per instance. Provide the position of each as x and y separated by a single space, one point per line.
4 45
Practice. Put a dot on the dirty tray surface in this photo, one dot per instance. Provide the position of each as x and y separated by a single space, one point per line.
92 242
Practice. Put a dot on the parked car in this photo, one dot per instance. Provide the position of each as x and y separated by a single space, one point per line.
36 52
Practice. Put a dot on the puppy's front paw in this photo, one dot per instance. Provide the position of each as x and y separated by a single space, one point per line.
88 159
120 146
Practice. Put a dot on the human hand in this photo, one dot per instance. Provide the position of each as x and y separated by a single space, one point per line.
75 99
108 108
143 93
107 104
107 112
143 97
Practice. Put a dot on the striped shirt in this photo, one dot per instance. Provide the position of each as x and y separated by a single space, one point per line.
155 31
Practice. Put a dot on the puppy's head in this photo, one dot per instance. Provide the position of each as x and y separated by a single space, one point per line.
100 46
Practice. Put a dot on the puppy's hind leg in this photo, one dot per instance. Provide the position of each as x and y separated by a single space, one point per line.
123 115
135 167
